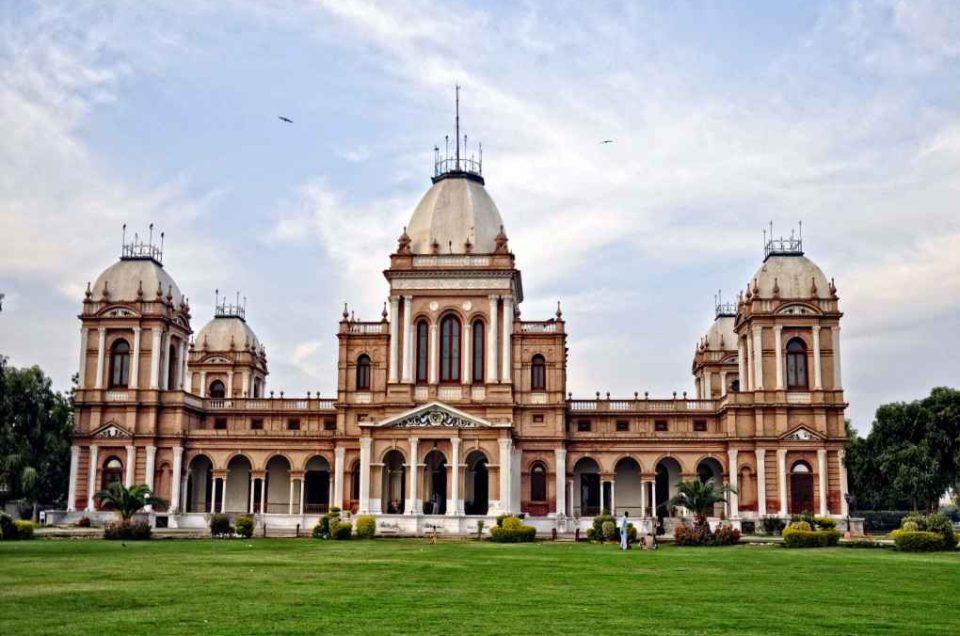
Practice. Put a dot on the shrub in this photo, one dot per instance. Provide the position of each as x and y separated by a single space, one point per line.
609 531
700 535
83 522
799 525
773 525
748 527
910 526
24 529
512 530
341 531
591 534
797 537
366 527
917 540
598 533
726 535
220 525
825 523
631 533
244 526
318 532
942 525
937 524
803 516
328 522
8 530
127 531
862 543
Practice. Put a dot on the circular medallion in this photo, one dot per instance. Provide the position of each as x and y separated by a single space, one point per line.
434 306
467 306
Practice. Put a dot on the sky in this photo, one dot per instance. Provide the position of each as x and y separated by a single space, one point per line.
725 116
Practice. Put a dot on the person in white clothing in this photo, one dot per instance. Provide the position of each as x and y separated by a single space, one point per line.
623 532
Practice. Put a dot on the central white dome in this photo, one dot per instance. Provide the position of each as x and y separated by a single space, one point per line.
455 210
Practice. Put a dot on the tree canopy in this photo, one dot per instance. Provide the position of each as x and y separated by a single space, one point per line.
911 456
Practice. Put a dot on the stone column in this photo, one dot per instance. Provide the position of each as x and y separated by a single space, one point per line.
560 477
433 364
135 360
253 486
155 359
507 338
455 501
758 356
394 339
817 375
84 335
778 349
165 361
761 481
413 500
492 341
149 469
303 492
365 448
339 458
822 478
131 465
653 499
723 383
290 499
837 384
707 385
751 365
643 498
407 371
245 380
613 497
230 384
101 355
602 498
176 479
734 483
263 495
506 472
569 495
203 384
782 479
466 354
213 495
844 506
223 495
72 482
184 354
742 365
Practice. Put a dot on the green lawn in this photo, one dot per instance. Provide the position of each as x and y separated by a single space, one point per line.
404 586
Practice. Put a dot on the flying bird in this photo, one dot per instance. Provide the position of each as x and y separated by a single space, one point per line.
606 141
286 119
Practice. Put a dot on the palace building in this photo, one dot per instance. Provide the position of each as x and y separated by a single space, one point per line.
451 408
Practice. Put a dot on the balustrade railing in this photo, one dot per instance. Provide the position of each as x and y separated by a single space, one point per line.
545 326
641 405
451 260
269 404
367 327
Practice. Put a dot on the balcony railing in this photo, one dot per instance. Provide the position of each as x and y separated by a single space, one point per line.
451 260
367 327
638 405
269 404
546 326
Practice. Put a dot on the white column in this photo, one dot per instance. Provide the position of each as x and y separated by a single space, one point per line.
758 355
101 355
613 497
135 360
263 494
230 384
413 500
165 361
149 469
253 486
245 379
84 335
817 375
203 384
176 479
223 495
707 385
365 444
778 349
155 359
723 383
844 506
732 469
407 371
131 465
290 499
302 494
751 364
213 495
339 458
822 478
506 472
837 384
394 339
507 338
643 498
560 477
782 479
72 482
492 341
434 362
742 365
761 482
455 501
653 498
466 354
602 498
184 353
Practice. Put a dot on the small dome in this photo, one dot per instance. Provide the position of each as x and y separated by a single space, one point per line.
127 276
452 212
217 335
720 336
793 275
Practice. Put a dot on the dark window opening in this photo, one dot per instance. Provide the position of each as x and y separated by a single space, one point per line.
538 482
450 349
220 424
796 364
584 426
256 424
623 425
423 350
478 350
119 365
660 425
363 373
293 424
538 373
700 425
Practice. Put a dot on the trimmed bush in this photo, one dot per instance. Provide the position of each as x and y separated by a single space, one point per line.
700 535
631 533
366 527
773 525
127 531
24 529
84 522
318 532
8 530
220 525
917 540
513 531
598 533
910 526
610 531
341 531
800 525
825 523
244 526
796 537
803 516
917 524
726 535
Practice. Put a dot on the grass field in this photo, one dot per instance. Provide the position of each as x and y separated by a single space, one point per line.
405 586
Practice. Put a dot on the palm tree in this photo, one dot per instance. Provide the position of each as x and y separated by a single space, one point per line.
699 497
128 501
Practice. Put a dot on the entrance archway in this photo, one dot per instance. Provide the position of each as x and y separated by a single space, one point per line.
669 475
316 481
801 488
199 484
476 491
628 488
710 468
586 479
394 483
278 485
238 485
435 483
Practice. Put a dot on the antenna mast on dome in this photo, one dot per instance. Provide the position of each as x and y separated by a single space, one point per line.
783 246
138 249
460 165
223 309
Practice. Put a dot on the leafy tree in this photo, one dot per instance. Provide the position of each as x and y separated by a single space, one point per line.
699 497
35 425
128 501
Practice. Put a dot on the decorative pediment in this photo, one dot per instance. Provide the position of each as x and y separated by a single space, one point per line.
795 309
118 312
111 430
434 415
217 360
801 434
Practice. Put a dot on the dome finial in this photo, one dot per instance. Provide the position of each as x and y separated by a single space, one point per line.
403 243
559 313
501 242
346 314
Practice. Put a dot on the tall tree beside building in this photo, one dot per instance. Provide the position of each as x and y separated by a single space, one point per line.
35 424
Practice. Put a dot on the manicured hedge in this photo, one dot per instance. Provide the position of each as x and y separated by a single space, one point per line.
127 531
341 531
244 526
8 530
917 540
794 537
366 527
512 531
220 525
914 534
773 525
700 535
24 530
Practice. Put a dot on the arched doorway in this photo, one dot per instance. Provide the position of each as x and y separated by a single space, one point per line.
628 488
710 468
199 484
669 475
238 485
435 483
586 479
217 390
394 484
476 488
278 485
316 482
112 472
801 488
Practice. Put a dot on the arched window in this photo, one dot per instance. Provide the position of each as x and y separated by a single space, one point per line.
538 482
172 372
796 364
217 389
478 350
257 388
538 373
120 364
423 350
112 473
363 373
450 349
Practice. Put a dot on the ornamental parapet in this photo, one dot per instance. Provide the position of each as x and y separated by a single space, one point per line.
324 405
641 406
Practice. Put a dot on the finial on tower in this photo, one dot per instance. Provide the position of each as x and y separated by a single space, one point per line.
138 249
791 246
461 164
